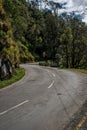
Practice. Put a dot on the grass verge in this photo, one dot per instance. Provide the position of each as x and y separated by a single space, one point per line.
80 70
19 73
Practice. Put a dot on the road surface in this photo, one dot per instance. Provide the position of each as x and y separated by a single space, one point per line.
45 99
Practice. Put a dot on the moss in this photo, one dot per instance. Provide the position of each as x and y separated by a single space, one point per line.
80 70
8 45
19 73
25 55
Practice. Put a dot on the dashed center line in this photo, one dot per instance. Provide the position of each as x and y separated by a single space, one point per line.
14 107
53 74
51 84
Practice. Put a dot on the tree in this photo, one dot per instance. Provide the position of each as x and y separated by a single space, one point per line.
18 13
8 47
51 35
79 33
66 40
19 16
35 31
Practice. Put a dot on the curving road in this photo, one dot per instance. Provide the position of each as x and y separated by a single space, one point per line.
45 99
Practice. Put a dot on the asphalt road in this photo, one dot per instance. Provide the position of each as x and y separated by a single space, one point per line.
45 99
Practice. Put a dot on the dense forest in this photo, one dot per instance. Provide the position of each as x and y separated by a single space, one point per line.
29 34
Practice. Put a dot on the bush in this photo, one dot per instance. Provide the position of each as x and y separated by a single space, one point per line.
18 74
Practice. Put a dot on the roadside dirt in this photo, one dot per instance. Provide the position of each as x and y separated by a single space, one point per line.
79 121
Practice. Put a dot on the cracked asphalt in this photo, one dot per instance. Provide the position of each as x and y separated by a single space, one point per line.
45 99
79 121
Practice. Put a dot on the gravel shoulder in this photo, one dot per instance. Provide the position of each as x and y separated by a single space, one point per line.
79 120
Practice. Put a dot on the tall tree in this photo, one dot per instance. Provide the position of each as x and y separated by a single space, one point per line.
18 12
35 31
51 35
19 16
66 39
8 47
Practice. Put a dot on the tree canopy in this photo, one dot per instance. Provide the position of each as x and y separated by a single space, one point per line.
8 45
62 38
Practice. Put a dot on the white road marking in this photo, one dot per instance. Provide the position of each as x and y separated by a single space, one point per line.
14 107
53 74
51 84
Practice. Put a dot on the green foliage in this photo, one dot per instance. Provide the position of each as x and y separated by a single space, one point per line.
8 46
66 40
50 35
45 63
63 39
35 31
80 70
2 33
25 55
18 12
19 73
